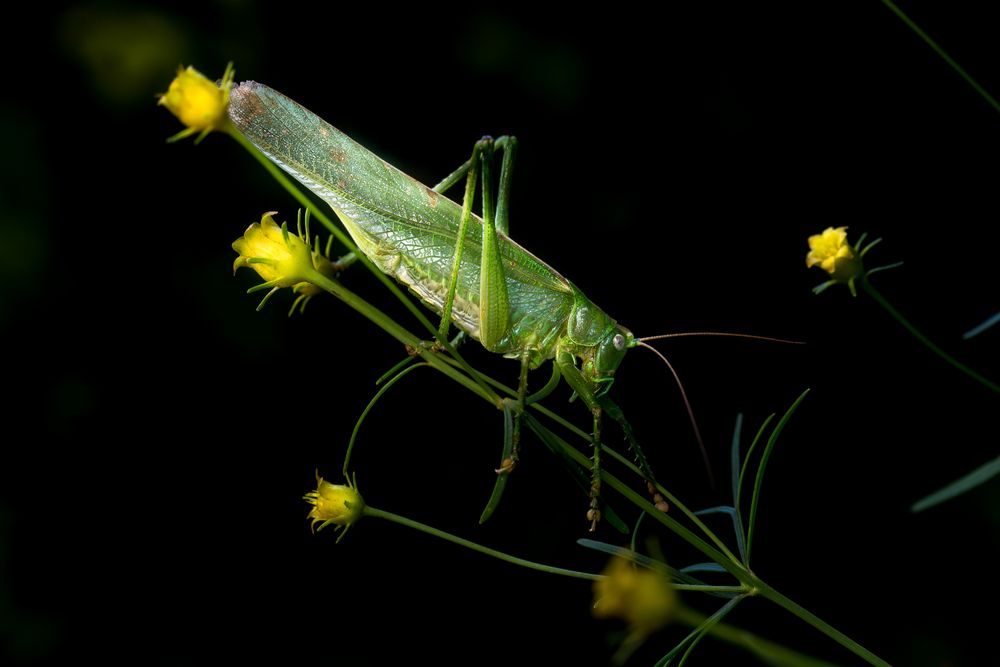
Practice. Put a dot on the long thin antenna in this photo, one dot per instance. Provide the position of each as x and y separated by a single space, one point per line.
687 404
721 333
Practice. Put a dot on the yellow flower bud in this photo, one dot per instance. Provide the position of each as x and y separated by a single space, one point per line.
334 503
198 102
831 251
284 259
279 257
643 598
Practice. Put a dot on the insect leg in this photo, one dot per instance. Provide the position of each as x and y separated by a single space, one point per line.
580 385
512 411
453 178
594 513
471 173
509 462
549 387
494 303
509 408
508 145
612 410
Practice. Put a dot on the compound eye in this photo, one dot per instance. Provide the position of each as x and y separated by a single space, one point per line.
618 341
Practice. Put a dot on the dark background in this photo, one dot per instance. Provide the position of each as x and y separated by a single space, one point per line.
159 433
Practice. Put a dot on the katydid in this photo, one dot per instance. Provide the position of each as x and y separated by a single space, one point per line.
462 266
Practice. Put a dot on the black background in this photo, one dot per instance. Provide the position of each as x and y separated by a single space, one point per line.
159 433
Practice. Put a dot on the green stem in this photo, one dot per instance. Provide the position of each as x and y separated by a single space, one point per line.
944 56
768 651
744 576
738 637
762 647
371 404
766 591
989 384
430 530
707 588
389 325
734 568
674 502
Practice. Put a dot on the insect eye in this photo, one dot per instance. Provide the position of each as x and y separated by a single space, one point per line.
618 341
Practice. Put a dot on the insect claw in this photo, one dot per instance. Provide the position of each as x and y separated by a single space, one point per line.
660 504
413 351
507 466
593 515
658 501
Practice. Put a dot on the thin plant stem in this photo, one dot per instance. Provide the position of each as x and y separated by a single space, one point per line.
770 652
779 655
430 530
986 382
708 588
766 591
754 584
941 52
678 504
401 334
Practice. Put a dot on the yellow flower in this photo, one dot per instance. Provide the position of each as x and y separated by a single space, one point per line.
198 102
831 251
643 598
281 258
843 261
334 503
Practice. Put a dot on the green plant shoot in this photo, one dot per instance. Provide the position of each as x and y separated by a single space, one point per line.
462 266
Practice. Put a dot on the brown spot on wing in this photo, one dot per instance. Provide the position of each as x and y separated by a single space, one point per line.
244 103
432 197
338 155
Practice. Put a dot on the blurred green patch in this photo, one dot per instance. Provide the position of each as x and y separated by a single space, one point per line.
549 67
71 399
23 223
22 254
25 637
125 51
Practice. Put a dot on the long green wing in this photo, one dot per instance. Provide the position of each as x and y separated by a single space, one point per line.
406 228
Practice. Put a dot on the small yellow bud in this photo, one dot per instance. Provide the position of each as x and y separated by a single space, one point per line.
643 598
334 503
831 251
281 258
197 101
